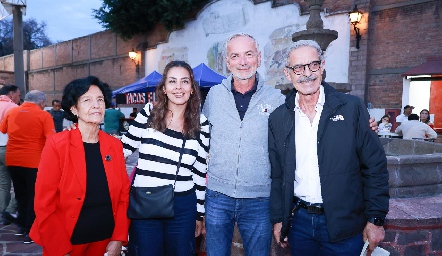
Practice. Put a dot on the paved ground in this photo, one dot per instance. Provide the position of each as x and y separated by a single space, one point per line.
12 245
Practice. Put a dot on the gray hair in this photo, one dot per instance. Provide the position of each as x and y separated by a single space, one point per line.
35 96
301 43
239 35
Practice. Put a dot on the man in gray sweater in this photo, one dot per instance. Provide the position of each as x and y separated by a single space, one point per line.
238 187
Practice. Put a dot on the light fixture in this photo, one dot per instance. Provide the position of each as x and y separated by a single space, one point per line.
355 18
133 56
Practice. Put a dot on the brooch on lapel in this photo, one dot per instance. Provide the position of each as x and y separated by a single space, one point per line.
337 118
108 158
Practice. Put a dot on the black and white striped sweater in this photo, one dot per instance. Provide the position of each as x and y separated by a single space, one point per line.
159 156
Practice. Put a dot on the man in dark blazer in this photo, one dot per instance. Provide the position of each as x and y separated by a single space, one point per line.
329 190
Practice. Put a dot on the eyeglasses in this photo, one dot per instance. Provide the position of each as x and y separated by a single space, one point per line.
300 69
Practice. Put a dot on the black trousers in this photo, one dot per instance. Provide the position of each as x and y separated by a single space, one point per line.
23 179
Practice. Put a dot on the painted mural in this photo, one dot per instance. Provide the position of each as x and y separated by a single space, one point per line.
218 23
170 54
202 40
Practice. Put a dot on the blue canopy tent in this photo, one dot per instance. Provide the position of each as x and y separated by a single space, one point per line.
205 77
145 84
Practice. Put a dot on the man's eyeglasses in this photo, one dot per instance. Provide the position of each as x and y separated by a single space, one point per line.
299 69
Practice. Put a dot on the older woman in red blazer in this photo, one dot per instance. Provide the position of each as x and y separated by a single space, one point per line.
82 188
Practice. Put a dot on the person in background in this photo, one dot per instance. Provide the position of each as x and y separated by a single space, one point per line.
112 118
329 190
28 126
57 114
404 116
414 129
134 113
384 124
82 188
424 116
9 97
159 134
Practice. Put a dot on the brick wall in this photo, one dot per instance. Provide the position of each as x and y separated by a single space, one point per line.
6 77
101 54
400 38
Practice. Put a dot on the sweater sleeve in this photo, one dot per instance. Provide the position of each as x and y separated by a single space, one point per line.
200 166
132 139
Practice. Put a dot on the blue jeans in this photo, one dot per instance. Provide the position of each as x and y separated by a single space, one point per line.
252 216
168 237
7 200
308 235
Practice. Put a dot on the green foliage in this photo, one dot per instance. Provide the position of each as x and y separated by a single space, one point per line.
128 18
34 36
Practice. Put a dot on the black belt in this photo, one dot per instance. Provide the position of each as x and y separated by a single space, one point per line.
311 208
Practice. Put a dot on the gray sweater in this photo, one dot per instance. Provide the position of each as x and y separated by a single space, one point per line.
239 164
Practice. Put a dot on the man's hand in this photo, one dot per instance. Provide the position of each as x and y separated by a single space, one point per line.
113 248
198 228
374 234
373 124
277 234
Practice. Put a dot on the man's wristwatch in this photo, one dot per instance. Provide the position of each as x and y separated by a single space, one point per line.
378 221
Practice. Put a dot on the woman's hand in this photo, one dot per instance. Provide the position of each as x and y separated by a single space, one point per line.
198 228
113 248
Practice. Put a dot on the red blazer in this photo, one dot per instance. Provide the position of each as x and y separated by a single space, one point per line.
61 187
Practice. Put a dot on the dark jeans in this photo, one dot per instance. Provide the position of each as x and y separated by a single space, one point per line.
23 180
168 237
308 235
252 216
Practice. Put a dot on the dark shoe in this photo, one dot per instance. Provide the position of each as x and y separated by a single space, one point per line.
7 218
20 232
27 239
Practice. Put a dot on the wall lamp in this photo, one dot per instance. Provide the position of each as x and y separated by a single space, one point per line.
355 18
133 55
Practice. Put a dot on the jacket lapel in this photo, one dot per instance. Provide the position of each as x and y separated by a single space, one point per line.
107 156
332 102
78 158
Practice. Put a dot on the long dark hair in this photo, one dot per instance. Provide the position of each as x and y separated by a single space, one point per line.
193 107
380 121
428 118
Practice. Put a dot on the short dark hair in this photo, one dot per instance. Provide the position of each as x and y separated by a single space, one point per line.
55 101
413 117
75 89
5 90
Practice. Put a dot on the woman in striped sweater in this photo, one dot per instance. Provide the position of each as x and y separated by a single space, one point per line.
159 134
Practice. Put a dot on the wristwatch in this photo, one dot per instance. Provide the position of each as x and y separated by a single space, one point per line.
378 221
